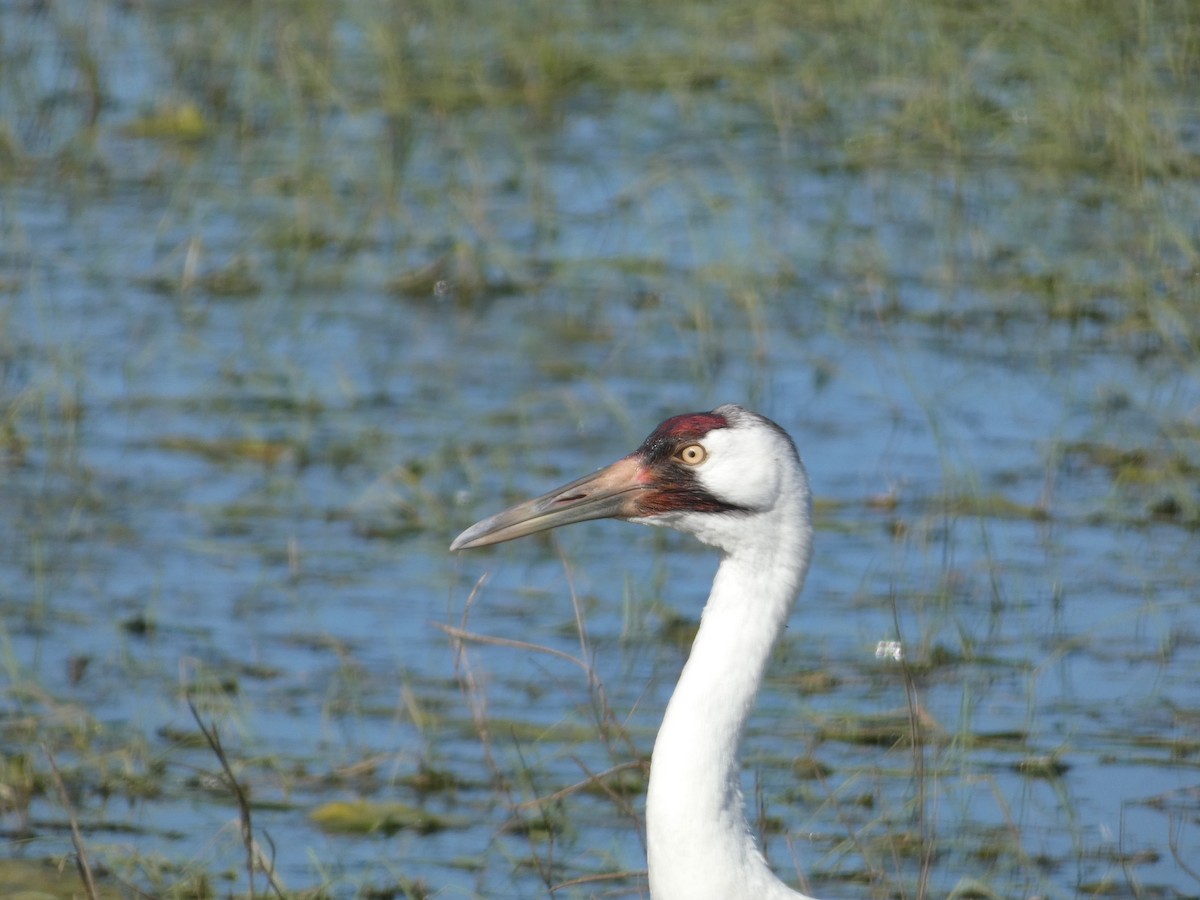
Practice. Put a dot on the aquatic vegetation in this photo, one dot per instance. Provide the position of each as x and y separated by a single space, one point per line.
181 123
291 292
366 817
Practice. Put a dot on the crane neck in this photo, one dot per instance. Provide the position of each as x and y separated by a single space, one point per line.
699 844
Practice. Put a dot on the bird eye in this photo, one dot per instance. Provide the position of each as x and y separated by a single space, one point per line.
692 455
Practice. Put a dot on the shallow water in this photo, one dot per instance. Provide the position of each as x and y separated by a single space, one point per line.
270 476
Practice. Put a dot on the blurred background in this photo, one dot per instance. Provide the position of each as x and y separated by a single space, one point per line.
293 292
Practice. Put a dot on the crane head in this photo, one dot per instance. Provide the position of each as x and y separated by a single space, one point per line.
708 473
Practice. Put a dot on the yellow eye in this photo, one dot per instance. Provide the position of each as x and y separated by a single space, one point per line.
691 455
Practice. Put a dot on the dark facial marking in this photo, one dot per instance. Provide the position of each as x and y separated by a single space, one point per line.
683 496
675 486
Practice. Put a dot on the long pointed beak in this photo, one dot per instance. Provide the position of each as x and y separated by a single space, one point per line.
610 493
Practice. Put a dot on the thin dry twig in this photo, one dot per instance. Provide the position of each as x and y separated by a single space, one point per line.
915 719
81 860
255 858
599 877
605 719
476 638
477 699
593 780
214 743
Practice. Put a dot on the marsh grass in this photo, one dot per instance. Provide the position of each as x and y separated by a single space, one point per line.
415 153
542 817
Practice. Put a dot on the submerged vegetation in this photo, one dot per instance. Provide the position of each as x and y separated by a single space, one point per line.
290 291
